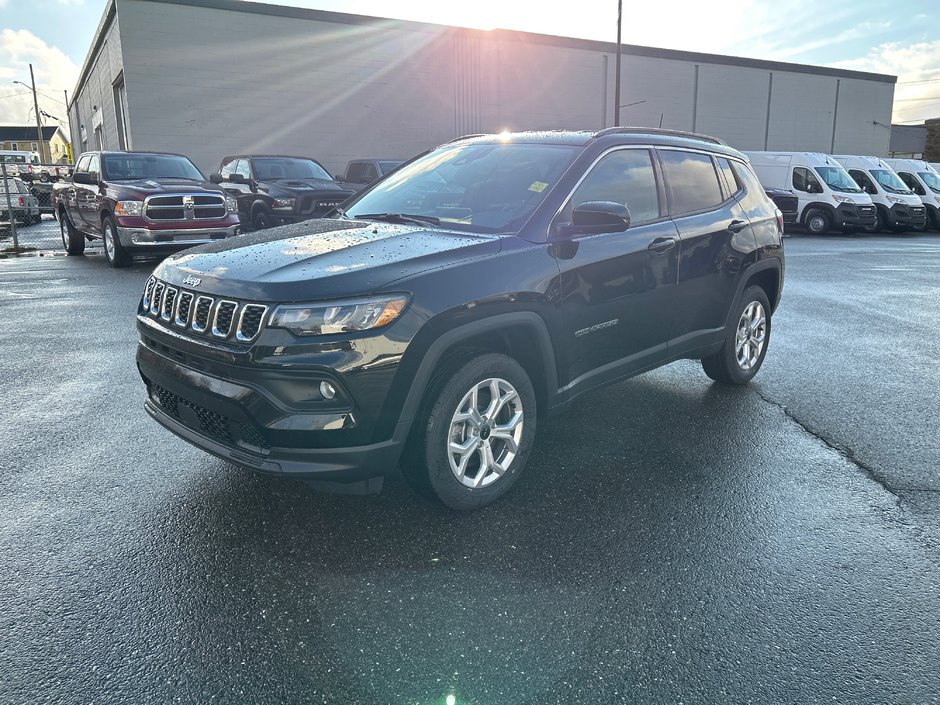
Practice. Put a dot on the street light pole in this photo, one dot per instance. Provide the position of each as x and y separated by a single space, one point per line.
42 154
617 71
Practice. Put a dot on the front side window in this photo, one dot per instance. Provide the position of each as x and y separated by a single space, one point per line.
626 177
83 163
242 168
804 180
94 164
476 187
228 168
911 182
691 182
865 183
837 179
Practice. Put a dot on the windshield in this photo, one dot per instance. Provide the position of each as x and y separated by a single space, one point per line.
13 158
272 168
931 179
131 167
837 179
486 188
889 181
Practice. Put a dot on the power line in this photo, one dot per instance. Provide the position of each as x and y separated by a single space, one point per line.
13 95
911 83
907 100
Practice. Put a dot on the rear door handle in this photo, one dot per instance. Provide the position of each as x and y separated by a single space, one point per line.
662 244
737 226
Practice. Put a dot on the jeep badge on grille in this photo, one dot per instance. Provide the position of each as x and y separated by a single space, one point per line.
192 281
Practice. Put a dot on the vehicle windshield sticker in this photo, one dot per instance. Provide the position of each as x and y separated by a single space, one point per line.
538 186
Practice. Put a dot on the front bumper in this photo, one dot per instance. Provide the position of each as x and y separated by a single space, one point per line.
904 216
148 238
856 215
270 421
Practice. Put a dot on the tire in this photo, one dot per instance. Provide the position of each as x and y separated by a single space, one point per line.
459 480
72 240
114 251
726 365
877 225
262 219
817 222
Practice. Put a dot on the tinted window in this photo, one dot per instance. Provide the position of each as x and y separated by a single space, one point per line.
911 183
728 179
369 173
691 182
355 173
93 164
864 183
625 176
803 179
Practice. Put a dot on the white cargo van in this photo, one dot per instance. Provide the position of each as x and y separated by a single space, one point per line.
829 198
898 208
924 181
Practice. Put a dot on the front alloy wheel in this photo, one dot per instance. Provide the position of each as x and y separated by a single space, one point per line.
473 433
485 433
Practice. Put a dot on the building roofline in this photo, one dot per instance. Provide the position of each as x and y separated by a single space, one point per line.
257 8
107 17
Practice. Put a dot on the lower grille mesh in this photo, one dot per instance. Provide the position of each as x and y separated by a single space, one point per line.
211 423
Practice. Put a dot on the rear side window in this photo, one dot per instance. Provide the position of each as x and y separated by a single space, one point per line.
748 179
228 168
805 180
625 176
728 181
691 182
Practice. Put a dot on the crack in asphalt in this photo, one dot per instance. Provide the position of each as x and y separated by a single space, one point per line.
845 451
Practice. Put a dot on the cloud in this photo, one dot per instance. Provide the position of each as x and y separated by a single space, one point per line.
53 69
917 66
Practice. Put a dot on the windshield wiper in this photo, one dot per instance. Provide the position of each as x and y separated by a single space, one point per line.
401 218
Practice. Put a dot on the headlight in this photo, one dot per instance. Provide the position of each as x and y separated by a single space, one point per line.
231 204
895 199
842 199
128 207
347 316
284 203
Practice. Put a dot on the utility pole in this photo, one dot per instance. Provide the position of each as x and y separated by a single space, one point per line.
68 117
42 153
617 71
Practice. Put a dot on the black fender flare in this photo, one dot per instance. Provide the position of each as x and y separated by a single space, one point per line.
759 266
527 320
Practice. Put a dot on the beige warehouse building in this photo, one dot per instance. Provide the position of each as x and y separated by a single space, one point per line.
209 78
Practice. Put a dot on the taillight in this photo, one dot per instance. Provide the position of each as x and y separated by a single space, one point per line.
779 220
20 201
29 168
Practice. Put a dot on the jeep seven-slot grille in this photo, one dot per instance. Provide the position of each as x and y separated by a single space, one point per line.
202 315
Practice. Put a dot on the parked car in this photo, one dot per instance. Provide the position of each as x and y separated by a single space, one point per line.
362 172
827 196
25 206
787 201
273 189
443 313
896 205
924 181
140 202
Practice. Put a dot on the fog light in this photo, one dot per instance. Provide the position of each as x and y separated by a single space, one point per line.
327 390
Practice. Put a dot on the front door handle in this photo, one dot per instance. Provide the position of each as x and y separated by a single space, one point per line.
662 244
737 226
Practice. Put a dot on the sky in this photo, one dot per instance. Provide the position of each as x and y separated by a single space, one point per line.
899 38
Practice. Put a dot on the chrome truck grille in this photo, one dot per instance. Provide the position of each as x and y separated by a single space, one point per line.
203 316
184 207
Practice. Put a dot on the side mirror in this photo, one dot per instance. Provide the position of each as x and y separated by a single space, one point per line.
594 217
85 177
215 178
237 178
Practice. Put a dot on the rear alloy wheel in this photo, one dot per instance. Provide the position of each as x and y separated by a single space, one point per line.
745 346
114 251
72 240
474 436
817 222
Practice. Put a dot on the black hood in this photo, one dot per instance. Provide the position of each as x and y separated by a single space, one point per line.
321 259
299 187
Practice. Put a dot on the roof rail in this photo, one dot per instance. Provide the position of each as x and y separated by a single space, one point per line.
658 131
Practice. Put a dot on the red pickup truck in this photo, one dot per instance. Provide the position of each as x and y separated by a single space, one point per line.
140 202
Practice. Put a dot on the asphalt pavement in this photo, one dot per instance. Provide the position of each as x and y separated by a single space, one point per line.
672 541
